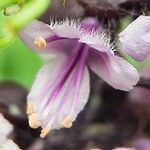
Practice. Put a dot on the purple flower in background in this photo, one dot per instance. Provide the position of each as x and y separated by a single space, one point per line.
135 39
142 144
61 88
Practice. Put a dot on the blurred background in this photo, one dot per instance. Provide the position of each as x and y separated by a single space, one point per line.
111 118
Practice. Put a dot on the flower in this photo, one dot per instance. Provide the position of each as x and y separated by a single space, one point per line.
135 38
62 86
141 144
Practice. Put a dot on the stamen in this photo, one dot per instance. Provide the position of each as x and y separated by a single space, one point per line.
33 121
44 132
40 42
67 122
30 109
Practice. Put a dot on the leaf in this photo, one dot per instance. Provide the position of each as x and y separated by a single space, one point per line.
19 64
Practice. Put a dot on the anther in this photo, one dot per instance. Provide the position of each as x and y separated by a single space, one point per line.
30 109
33 121
44 132
67 122
40 42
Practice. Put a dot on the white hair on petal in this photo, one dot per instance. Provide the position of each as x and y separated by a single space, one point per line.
65 22
100 36
97 36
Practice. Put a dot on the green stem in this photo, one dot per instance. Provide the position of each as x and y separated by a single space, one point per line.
7 3
31 10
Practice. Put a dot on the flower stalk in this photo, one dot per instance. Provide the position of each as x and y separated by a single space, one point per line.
30 10
7 3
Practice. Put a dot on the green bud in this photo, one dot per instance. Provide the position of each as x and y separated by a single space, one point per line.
6 36
7 3
12 10
30 10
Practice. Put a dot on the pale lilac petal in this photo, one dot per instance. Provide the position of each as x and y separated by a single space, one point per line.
73 28
46 73
62 37
114 70
62 101
55 44
95 36
98 40
135 38
66 28
88 31
73 102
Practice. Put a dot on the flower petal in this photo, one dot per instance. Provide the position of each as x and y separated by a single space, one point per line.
98 40
66 28
54 44
57 105
135 38
114 70
88 31
46 73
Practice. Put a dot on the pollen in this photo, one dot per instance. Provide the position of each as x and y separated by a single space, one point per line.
30 109
44 132
67 122
33 121
40 42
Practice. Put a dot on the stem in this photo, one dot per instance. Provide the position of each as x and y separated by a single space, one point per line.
7 3
31 10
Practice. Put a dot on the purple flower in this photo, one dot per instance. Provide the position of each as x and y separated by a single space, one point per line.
62 87
142 144
135 39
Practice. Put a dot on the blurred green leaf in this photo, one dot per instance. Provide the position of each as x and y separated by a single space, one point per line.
19 64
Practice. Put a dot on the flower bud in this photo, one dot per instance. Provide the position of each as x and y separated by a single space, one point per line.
6 36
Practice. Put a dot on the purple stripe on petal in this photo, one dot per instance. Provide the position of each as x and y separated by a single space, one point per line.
54 38
79 77
62 80
75 73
